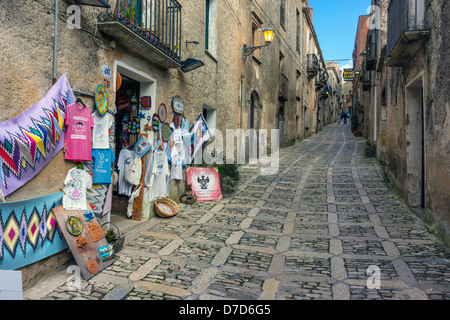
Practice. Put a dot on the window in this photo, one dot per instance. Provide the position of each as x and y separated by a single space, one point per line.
209 114
283 13
210 26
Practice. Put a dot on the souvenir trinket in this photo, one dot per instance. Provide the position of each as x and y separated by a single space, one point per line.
89 216
162 112
146 103
92 266
81 241
165 131
74 226
178 105
155 122
101 100
96 231
176 121
106 252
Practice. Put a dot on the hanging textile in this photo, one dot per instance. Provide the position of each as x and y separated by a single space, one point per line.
29 141
29 232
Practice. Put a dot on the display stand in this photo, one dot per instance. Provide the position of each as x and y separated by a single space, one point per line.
83 246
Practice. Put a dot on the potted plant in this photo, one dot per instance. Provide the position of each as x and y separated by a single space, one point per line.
113 236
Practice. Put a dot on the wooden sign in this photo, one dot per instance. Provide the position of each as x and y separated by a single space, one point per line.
90 250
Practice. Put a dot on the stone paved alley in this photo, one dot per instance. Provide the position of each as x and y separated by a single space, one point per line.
309 232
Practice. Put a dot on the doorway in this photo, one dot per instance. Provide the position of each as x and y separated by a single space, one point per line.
415 142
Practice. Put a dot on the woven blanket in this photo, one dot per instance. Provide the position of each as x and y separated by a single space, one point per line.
29 141
29 231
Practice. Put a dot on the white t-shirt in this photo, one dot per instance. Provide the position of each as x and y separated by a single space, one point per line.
160 176
100 132
177 155
75 187
125 157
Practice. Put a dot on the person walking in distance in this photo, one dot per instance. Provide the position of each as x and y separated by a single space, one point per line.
345 117
339 118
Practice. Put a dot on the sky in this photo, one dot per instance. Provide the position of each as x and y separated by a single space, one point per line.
335 22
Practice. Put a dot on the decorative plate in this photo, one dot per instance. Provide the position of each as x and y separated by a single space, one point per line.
162 112
176 120
146 103
165 131
178 105
101 100
74 226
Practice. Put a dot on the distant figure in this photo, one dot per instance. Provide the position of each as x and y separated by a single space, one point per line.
339 119
345 117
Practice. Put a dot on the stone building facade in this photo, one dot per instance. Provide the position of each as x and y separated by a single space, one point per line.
408 67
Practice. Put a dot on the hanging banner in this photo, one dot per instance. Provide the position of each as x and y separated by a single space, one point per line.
201 135
29 231
205 183
29 141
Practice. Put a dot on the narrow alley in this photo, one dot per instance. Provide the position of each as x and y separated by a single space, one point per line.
327 226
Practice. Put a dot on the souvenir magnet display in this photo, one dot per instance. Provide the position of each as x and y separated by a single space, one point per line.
178 105
101 100
146 103
165 131
74 226
162 112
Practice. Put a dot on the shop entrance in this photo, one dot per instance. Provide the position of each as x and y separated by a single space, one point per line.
130 121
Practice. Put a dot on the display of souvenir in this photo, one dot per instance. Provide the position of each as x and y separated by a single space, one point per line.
155 122
178 105
74 226
89 216
176 120
162 112
101 100
165 132
146 103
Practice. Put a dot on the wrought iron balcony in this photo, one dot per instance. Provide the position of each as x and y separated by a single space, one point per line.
407 30
150 29
371 50
312 65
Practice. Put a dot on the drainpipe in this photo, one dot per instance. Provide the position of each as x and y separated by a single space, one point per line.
55 41
242 111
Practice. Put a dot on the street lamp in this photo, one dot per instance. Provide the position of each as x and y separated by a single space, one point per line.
269 34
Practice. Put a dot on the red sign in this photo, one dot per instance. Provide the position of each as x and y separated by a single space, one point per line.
205 183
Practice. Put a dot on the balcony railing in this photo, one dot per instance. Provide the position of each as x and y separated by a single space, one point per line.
312 65
406 25
371 50
147 24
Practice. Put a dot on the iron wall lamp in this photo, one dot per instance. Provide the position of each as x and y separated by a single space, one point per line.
269 34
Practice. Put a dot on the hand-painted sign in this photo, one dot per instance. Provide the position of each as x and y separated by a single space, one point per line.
205 183
178 105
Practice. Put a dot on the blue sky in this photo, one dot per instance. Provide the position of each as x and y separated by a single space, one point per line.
335 22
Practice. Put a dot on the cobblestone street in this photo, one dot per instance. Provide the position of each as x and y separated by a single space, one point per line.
311 231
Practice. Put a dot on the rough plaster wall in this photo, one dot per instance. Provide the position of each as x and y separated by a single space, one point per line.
438 115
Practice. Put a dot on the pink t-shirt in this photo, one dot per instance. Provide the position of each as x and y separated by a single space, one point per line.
79 125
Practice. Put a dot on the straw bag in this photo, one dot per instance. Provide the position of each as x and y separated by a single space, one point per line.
166 207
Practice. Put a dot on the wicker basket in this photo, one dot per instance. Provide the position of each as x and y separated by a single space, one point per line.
118 244
168 202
